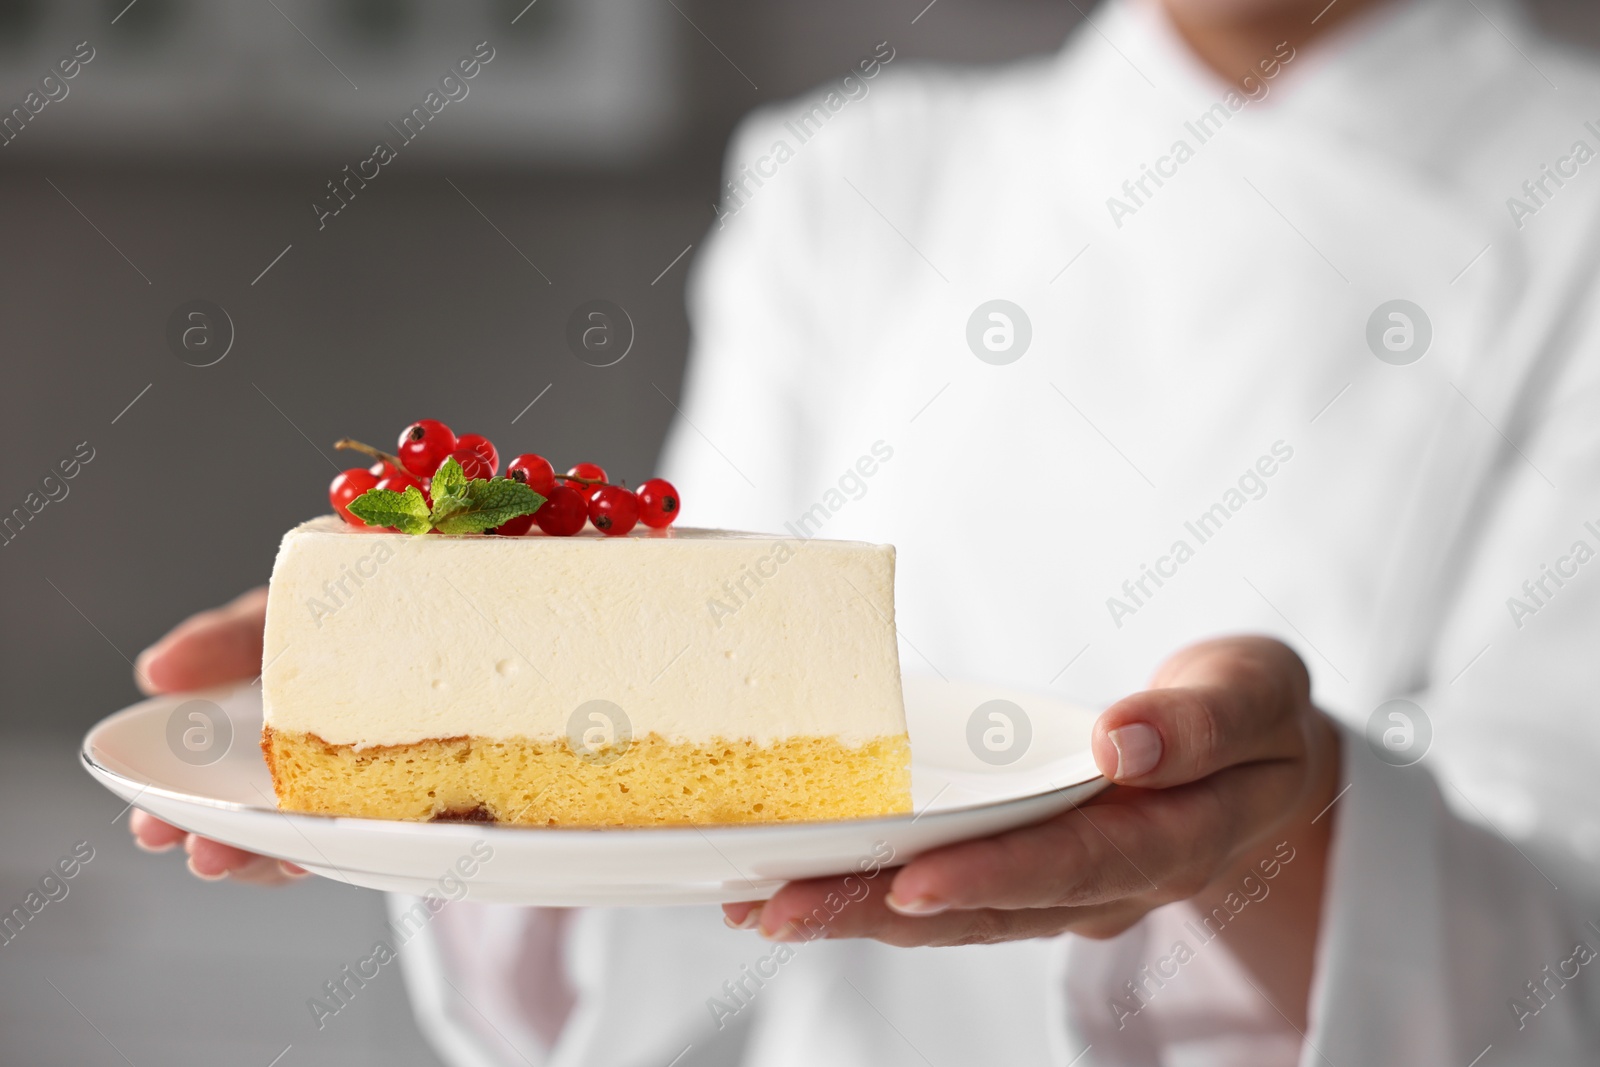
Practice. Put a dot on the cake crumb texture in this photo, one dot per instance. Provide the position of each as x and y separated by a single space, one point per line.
653 782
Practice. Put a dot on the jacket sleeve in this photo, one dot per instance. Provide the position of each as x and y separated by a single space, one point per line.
1463 906
1443 937
1461 915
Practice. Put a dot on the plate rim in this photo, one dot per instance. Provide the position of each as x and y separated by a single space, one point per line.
100 771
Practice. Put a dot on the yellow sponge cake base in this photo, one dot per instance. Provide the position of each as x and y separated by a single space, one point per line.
654 782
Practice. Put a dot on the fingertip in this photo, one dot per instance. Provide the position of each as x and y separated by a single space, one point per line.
1126 742
1105 752
204 876
1028 867
742 915
159 669
788 933
916 907
250 603
778 919
1136 751
916 891
151 834
154 850
213 859
769 920
142 664
176 663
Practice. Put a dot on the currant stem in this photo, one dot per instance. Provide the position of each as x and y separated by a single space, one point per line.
367 450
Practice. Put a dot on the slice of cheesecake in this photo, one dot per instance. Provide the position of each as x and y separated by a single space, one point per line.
671 677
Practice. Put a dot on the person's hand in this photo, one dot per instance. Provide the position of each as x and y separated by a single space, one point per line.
212 648
1222 756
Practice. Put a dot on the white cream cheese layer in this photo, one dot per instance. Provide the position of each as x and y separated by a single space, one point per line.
378 638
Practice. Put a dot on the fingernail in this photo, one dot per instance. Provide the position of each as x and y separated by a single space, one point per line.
203 876
293 870
1138 749
917 907
786 932
751 920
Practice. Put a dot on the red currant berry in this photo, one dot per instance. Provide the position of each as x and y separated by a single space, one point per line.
613 510
399 481
483 447
592 472
658 503
533 471
473 465
423 446
514 527
346 487
563 514
381 469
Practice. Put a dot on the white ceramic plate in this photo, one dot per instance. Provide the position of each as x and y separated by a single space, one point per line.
956 795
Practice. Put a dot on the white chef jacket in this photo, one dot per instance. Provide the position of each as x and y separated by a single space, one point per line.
1418 535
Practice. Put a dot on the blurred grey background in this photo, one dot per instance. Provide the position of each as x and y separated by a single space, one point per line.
182 164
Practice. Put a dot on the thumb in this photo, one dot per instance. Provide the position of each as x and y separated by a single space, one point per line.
1217 704
212 648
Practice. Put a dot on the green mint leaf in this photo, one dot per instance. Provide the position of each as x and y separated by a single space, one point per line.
485 503
406 512
446 506
449 491
448 480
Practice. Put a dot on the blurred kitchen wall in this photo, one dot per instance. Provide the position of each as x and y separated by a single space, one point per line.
184 160
182 163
